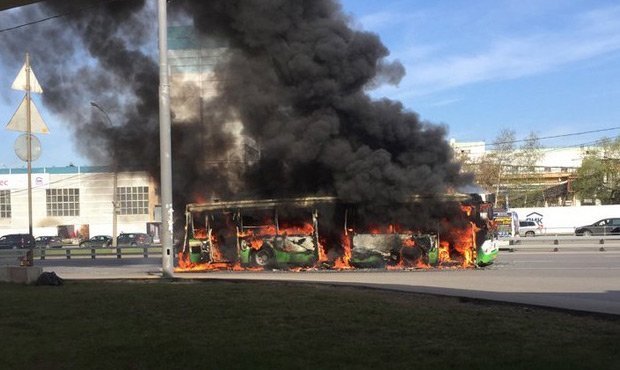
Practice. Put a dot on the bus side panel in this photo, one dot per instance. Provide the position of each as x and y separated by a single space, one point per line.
298 259
245 255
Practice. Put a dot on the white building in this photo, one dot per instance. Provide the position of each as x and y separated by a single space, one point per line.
551 175
77 196
472 150
551 160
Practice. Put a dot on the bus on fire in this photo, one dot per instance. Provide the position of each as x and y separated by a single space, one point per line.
286 233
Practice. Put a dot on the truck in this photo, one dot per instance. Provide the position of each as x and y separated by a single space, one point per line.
564 220
73 234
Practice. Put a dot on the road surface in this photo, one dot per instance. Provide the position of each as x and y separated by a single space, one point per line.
580 280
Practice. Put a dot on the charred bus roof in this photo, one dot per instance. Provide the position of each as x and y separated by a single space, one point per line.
258 204
301 202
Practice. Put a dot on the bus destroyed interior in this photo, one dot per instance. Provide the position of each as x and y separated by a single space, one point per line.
323 233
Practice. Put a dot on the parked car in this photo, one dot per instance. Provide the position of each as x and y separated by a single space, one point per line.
97 241
529 228
17 241
134 240
607 226
48 242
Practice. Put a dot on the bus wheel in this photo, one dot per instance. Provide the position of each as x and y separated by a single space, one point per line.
394 258
263 258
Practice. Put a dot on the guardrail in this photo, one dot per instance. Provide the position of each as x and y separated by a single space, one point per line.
565 239
97 252
562 231
17 257
566 242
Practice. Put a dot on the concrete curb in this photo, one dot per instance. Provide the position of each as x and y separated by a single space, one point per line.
20 274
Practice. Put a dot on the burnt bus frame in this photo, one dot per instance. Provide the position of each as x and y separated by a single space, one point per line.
194 247
236 208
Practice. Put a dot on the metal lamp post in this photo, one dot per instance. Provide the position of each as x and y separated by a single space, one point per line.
165 144
115 185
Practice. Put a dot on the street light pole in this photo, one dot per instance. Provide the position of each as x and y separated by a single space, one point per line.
29 142
165 144
115 183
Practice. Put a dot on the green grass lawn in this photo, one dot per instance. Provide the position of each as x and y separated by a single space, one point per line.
252 325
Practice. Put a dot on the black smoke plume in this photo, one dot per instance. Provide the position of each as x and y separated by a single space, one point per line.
295 76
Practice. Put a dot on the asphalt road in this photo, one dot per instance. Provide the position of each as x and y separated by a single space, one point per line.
576 280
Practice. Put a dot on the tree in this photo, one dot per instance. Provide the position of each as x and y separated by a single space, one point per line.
530 153
503 150
486 172
489 169
528 156
599 174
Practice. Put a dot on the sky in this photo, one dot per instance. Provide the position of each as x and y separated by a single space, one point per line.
548 67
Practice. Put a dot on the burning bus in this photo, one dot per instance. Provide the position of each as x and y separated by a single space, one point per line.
470 244
394 249
264 233
323 232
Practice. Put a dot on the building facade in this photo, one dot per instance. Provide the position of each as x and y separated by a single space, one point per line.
78 198
545 182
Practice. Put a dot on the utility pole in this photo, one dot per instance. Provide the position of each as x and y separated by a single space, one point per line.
114 185
29 141
165 145
499 180
115 208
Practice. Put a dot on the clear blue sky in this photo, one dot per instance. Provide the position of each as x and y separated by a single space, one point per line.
551 67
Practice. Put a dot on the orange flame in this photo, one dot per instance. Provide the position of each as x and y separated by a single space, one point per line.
200 234
458 246
253 236
465 243
322 253
444 251
344 262
186 265
305 229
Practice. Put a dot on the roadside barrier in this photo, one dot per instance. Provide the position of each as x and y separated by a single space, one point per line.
15 257
98 252
564 242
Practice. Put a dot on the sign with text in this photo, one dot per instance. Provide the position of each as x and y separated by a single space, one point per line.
20 181
536 217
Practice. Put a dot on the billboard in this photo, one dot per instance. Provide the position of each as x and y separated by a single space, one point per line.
73 234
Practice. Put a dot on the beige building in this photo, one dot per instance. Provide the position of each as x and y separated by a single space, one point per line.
73 196
551 175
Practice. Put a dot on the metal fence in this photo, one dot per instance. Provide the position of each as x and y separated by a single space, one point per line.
563 243
98 252
13 257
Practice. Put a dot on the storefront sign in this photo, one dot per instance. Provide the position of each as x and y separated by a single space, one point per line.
20 181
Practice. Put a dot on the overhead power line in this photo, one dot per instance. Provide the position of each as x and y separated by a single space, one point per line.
34 22
56 16
541 138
